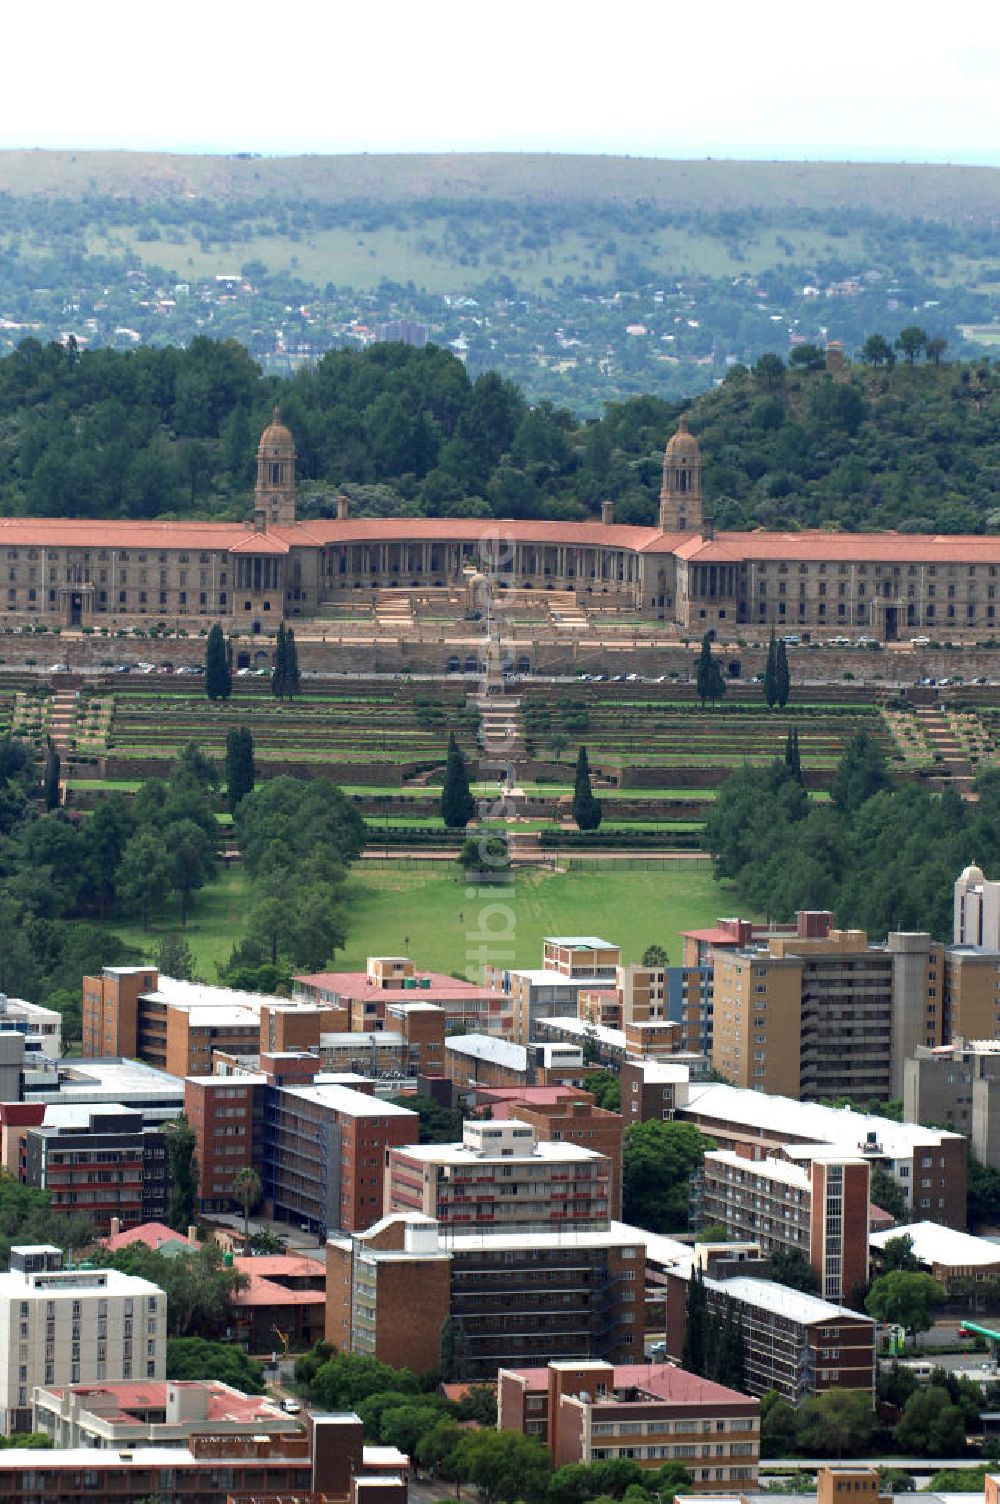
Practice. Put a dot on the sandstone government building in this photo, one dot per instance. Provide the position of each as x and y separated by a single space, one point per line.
78 573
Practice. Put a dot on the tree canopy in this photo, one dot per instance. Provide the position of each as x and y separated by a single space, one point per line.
658 1162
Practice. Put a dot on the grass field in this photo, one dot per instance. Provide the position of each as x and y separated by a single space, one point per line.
430 914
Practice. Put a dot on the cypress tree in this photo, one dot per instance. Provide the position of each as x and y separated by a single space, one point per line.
457 803
693 1353
587 810
239 766
52 768
782 679
703 671
279 671
792 760
293 681
770 674
218 665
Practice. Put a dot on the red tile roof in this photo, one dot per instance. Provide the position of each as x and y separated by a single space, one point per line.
264 1292
355 984
661 1380
153 1234
224 1403
275 1265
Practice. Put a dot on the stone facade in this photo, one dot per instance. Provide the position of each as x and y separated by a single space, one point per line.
79 572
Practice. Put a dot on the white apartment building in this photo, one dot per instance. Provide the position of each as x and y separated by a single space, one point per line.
41 1026
70 1326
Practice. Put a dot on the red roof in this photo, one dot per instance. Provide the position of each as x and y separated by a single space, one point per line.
817 545
660 1380
717 935
264 1292
502 1097
274 1265
153 1234
224 1403
355 984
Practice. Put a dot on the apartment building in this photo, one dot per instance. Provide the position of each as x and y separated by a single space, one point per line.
70 1326
329 1463
474 1060
105 1162
570 964
826 1015
226 1114
652 1089
361 997
324 1154
577 1121
515 1296
644 997
41 1027
817 1207
500 1177
652 1039
958 1084
967 1268
594 1411
929 1165
162 1412
793 1343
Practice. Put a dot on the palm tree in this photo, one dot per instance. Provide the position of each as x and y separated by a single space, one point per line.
247 1189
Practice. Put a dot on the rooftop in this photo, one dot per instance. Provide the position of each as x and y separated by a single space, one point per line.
487 1047
810 1122
934 1244
109 1079
579 942
356 1104
155 1235
638 1382
355 984
462 1154
768 1169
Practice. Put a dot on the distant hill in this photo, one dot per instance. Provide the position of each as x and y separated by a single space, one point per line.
902 189
585 279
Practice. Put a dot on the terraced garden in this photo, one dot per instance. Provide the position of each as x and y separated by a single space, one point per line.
395 726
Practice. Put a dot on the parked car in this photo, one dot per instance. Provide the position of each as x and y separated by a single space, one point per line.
58 668
920 642
291 1407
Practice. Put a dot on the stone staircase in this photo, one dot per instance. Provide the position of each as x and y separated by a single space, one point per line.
61 719
957 772
565 611
393 610
501 730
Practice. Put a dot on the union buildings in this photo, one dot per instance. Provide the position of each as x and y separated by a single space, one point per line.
79 573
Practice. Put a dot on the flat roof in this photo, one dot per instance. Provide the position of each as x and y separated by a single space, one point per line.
461 1154
579 1028
543 976
809 1120
106 1080
934 1244
181 994
580 942
768 1169
488 1047
355 1104
782 1300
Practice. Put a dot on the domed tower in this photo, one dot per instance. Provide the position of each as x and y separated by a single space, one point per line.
274 494
680 498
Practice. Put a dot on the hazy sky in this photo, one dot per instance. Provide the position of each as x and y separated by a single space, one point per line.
877 79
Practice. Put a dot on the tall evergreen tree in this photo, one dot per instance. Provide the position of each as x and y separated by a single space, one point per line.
694 1354
587 810
218 665
293 680
52 770
457 803
285 677
182 1159
792 760
770 674
782 678
239 765
708 675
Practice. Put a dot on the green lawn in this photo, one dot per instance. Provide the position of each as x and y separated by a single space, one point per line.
214 924
433 916
428 912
